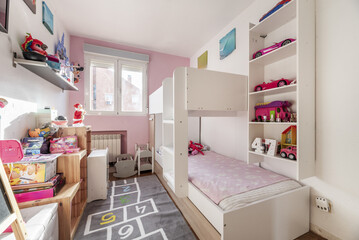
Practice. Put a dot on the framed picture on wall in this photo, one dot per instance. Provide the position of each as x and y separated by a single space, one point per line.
47 18
4 15
227 44
31 4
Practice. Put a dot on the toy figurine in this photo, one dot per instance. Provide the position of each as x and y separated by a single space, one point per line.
79 115
76 71
66 67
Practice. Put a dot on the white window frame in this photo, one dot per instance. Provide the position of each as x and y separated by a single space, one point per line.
118 62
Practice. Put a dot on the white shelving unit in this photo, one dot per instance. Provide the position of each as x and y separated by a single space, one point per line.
47 73
293 61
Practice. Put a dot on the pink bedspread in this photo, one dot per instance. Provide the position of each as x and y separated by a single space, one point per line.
220 177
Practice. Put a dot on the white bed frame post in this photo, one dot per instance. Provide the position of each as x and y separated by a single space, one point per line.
180 143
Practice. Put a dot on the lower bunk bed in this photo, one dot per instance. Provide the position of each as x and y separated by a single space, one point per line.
244 201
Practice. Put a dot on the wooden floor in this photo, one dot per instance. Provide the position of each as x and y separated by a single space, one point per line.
198 223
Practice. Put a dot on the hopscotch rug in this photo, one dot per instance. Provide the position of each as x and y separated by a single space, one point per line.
137 208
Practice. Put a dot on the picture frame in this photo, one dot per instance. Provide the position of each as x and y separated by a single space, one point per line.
4 15
202 60
47 18
227 44
31 4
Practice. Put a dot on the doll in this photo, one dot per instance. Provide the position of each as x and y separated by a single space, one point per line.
79 115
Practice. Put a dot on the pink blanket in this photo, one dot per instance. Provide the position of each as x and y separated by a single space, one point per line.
220 177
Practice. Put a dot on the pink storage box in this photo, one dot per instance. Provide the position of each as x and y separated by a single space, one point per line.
36 195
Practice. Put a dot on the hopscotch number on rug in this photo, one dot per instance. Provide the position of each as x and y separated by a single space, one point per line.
124 221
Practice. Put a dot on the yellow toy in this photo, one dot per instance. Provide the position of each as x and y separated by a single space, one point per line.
34 133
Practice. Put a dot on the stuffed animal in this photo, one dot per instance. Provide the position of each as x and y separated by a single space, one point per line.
34 133
34 45
195 148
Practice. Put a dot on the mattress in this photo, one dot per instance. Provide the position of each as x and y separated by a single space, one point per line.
232 183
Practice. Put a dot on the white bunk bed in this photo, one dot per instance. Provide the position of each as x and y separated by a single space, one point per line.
194 92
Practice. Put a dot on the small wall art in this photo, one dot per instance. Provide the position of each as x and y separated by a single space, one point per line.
202 60
227 44
47 18
4 15
31 4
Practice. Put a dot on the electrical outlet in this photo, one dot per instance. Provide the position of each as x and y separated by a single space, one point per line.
322 204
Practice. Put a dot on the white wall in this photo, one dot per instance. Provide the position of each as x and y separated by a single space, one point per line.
25 91
337 160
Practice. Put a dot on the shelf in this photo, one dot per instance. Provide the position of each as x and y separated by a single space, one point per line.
43 70
277 19
273 91
168 121
79 155
276 55
272 123
68 191
277 156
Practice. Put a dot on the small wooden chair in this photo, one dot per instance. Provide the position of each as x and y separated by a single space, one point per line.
143 152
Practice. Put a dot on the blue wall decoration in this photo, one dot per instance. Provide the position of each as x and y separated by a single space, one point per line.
227 44
47 18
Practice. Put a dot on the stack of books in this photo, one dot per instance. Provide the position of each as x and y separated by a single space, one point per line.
36 191
34 177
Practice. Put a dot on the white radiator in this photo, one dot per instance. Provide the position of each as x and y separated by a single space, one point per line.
110 141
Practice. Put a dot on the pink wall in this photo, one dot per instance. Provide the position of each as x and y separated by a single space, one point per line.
160 66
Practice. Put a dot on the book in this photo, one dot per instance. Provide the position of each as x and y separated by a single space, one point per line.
40 194
50 183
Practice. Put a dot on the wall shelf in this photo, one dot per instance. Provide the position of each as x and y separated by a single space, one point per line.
281 17
276 55
272 123
277 156
273 91
44 71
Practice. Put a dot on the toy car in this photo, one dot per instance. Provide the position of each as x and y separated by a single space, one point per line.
272 84
273 10
273 47
289 152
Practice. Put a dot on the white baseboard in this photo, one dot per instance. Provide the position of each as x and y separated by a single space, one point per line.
323 233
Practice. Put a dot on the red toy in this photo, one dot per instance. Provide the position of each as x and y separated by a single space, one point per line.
272 48
34 45
195 148
289 152
274 9
272 84
79 115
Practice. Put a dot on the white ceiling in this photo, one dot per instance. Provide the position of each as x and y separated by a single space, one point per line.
178 27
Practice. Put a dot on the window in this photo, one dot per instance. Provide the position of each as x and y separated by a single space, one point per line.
115 86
